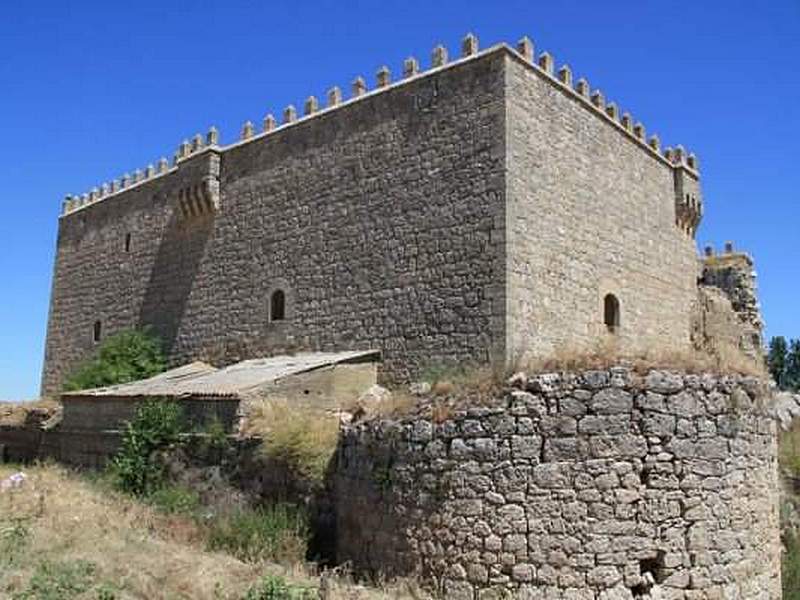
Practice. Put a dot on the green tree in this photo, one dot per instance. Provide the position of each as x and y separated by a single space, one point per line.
793 366
776 360
126 356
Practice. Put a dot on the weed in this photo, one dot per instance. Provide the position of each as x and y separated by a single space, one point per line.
274 587
106 592
303 439
174 499
279 533
58 580
789 451
791 566
14 537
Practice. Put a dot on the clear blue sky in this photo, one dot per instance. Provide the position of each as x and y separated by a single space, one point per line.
91 90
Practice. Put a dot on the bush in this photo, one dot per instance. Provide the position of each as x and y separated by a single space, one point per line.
123 357
273 587
157 424
276 533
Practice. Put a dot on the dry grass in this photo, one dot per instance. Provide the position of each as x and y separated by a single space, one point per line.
17 414
725 360
134 551
303 438
453 387
130 545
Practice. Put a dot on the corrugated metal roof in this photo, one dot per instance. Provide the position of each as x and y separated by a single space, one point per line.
201 379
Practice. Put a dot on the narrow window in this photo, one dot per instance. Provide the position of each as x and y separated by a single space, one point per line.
96 331
127 242
277 306
611 313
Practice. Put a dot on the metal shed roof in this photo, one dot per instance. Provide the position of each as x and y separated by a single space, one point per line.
201 379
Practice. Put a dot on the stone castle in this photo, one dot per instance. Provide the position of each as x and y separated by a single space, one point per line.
491 207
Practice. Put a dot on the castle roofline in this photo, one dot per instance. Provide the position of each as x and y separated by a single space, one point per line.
580 91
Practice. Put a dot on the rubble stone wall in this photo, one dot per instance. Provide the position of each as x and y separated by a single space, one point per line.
733 274
602 485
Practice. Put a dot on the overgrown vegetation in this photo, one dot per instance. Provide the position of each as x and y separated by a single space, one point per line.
62 532
277 533
59 580
275 587
784 362
790 567
303 440
126 356
156 425
789 461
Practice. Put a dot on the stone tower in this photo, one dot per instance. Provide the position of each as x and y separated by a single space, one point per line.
489 207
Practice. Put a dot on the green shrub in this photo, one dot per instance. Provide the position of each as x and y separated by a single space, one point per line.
276 533
14 538
58 580
174 499
791 567
123 357
156 425
274 587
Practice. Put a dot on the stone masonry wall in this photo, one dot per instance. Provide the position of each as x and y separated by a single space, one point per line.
733 274
477 211
591 211
380 219
602 485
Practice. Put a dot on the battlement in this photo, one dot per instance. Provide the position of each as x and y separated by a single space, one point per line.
688 207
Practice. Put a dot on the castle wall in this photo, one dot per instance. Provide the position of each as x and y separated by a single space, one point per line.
591 211
733 274
382 219
600 485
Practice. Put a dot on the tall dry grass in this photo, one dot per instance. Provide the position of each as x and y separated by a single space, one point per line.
608 353
303 438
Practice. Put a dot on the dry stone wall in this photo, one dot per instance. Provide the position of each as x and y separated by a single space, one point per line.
733 274
602 485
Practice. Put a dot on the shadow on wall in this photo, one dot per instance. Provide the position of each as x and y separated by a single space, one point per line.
173 274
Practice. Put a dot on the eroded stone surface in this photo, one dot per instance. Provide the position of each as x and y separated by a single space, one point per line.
676 498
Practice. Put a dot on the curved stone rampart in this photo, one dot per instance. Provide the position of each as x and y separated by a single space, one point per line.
603 485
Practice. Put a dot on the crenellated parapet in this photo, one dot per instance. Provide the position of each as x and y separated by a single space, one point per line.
688 203
196 191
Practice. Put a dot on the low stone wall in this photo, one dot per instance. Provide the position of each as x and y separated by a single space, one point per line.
28 443
602 485
90 413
